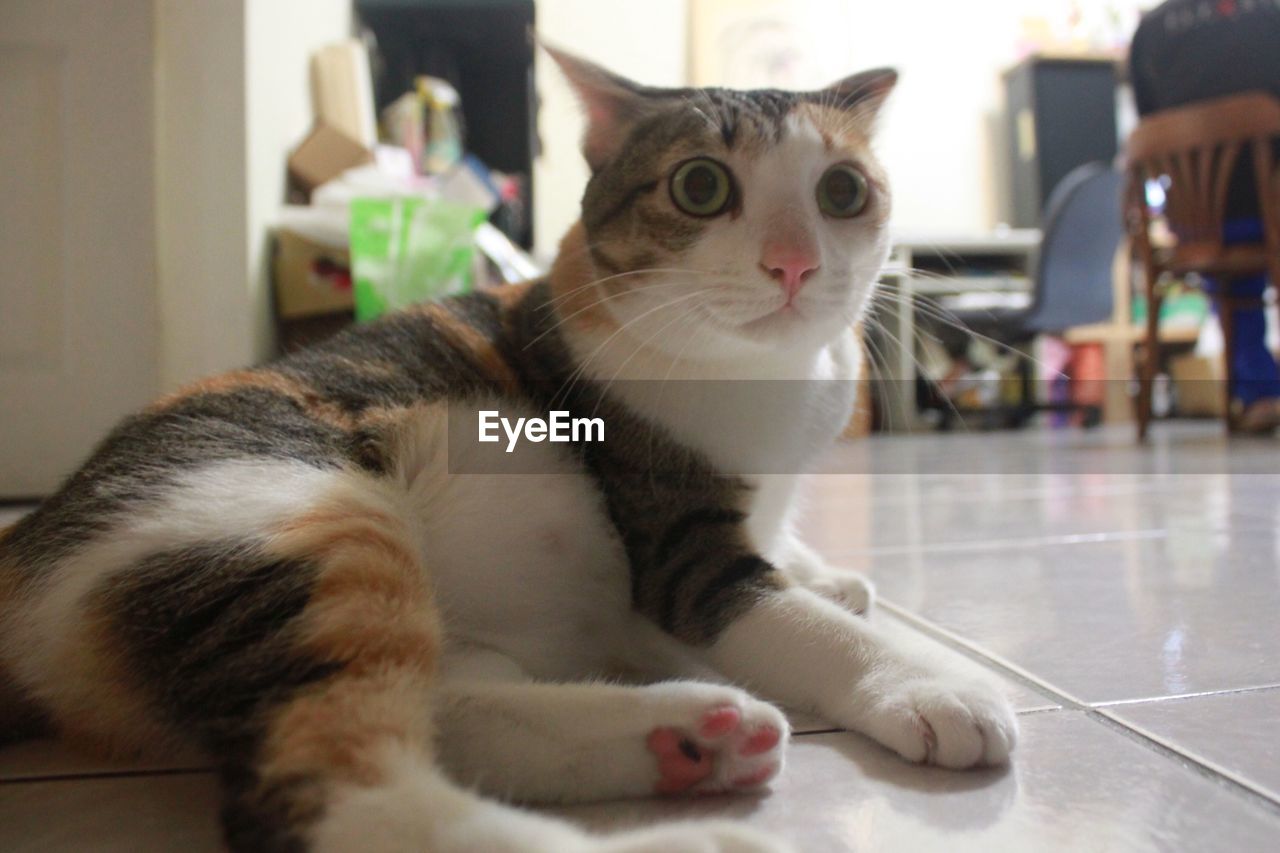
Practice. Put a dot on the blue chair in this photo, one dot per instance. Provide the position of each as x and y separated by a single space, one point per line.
1083 228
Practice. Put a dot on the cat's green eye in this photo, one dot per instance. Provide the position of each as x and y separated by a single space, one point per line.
701 187
843 191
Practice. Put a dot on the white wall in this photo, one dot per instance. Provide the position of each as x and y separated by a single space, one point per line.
644 40
936 136
78 328
939 137
200 187
282 35
233 98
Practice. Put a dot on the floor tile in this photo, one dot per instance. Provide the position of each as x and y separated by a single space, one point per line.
1185 448
1235 731
48 759
1076 785
1113 573
147 814
853 520
1108 621
1023 697
9 513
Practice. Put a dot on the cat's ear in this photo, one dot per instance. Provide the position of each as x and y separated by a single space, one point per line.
612 104
864 93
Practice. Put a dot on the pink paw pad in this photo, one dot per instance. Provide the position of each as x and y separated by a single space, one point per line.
720 722
727 747
681 763
762 741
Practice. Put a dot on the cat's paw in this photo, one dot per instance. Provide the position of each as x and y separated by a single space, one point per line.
950 723
729 743
707 837
849 589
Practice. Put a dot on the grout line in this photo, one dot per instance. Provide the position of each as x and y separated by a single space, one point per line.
1198 764
1202 767
1155 700
90 776
1008 544
832 731
980 655
1038 493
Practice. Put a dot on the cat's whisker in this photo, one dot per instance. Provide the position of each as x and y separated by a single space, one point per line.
560 321
879 361
711 123
552 305
711 106
636 351
857 118
938 313
567 387
645 271
919 367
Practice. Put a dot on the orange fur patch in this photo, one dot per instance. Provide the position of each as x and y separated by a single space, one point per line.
341 730
303 394
838 128
464 337
91 700
573 284
508 295
371 609
842 133
98 706
372 369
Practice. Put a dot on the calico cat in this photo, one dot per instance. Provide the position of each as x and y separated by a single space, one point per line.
306 571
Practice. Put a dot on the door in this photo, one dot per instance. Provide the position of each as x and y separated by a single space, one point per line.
78 337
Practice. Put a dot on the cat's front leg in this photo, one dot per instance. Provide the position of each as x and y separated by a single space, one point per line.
852 590
807 652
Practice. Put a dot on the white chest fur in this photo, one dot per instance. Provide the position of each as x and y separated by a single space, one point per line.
769 428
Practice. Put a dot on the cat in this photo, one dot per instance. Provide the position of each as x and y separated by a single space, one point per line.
308 572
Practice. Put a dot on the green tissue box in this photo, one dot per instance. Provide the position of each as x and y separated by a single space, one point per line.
409 250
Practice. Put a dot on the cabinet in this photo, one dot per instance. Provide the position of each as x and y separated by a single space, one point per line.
1060 114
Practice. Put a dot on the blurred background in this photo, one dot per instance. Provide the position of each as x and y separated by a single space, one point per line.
188 187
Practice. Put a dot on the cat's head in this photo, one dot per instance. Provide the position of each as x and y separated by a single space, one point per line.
726 222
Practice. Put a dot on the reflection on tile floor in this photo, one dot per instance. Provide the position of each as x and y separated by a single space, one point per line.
1076 785
1234 731
1127 598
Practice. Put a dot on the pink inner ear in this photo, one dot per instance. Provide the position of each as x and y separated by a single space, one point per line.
603 106
601 141
606 120
597 113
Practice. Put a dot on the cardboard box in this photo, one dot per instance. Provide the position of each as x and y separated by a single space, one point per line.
324 155
1198 382
310 278
343 90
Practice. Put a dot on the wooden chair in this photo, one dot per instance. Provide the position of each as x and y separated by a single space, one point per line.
1192 151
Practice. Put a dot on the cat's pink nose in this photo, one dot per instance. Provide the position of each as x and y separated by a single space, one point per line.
789 265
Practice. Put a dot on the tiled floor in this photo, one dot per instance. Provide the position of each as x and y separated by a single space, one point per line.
1128 598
